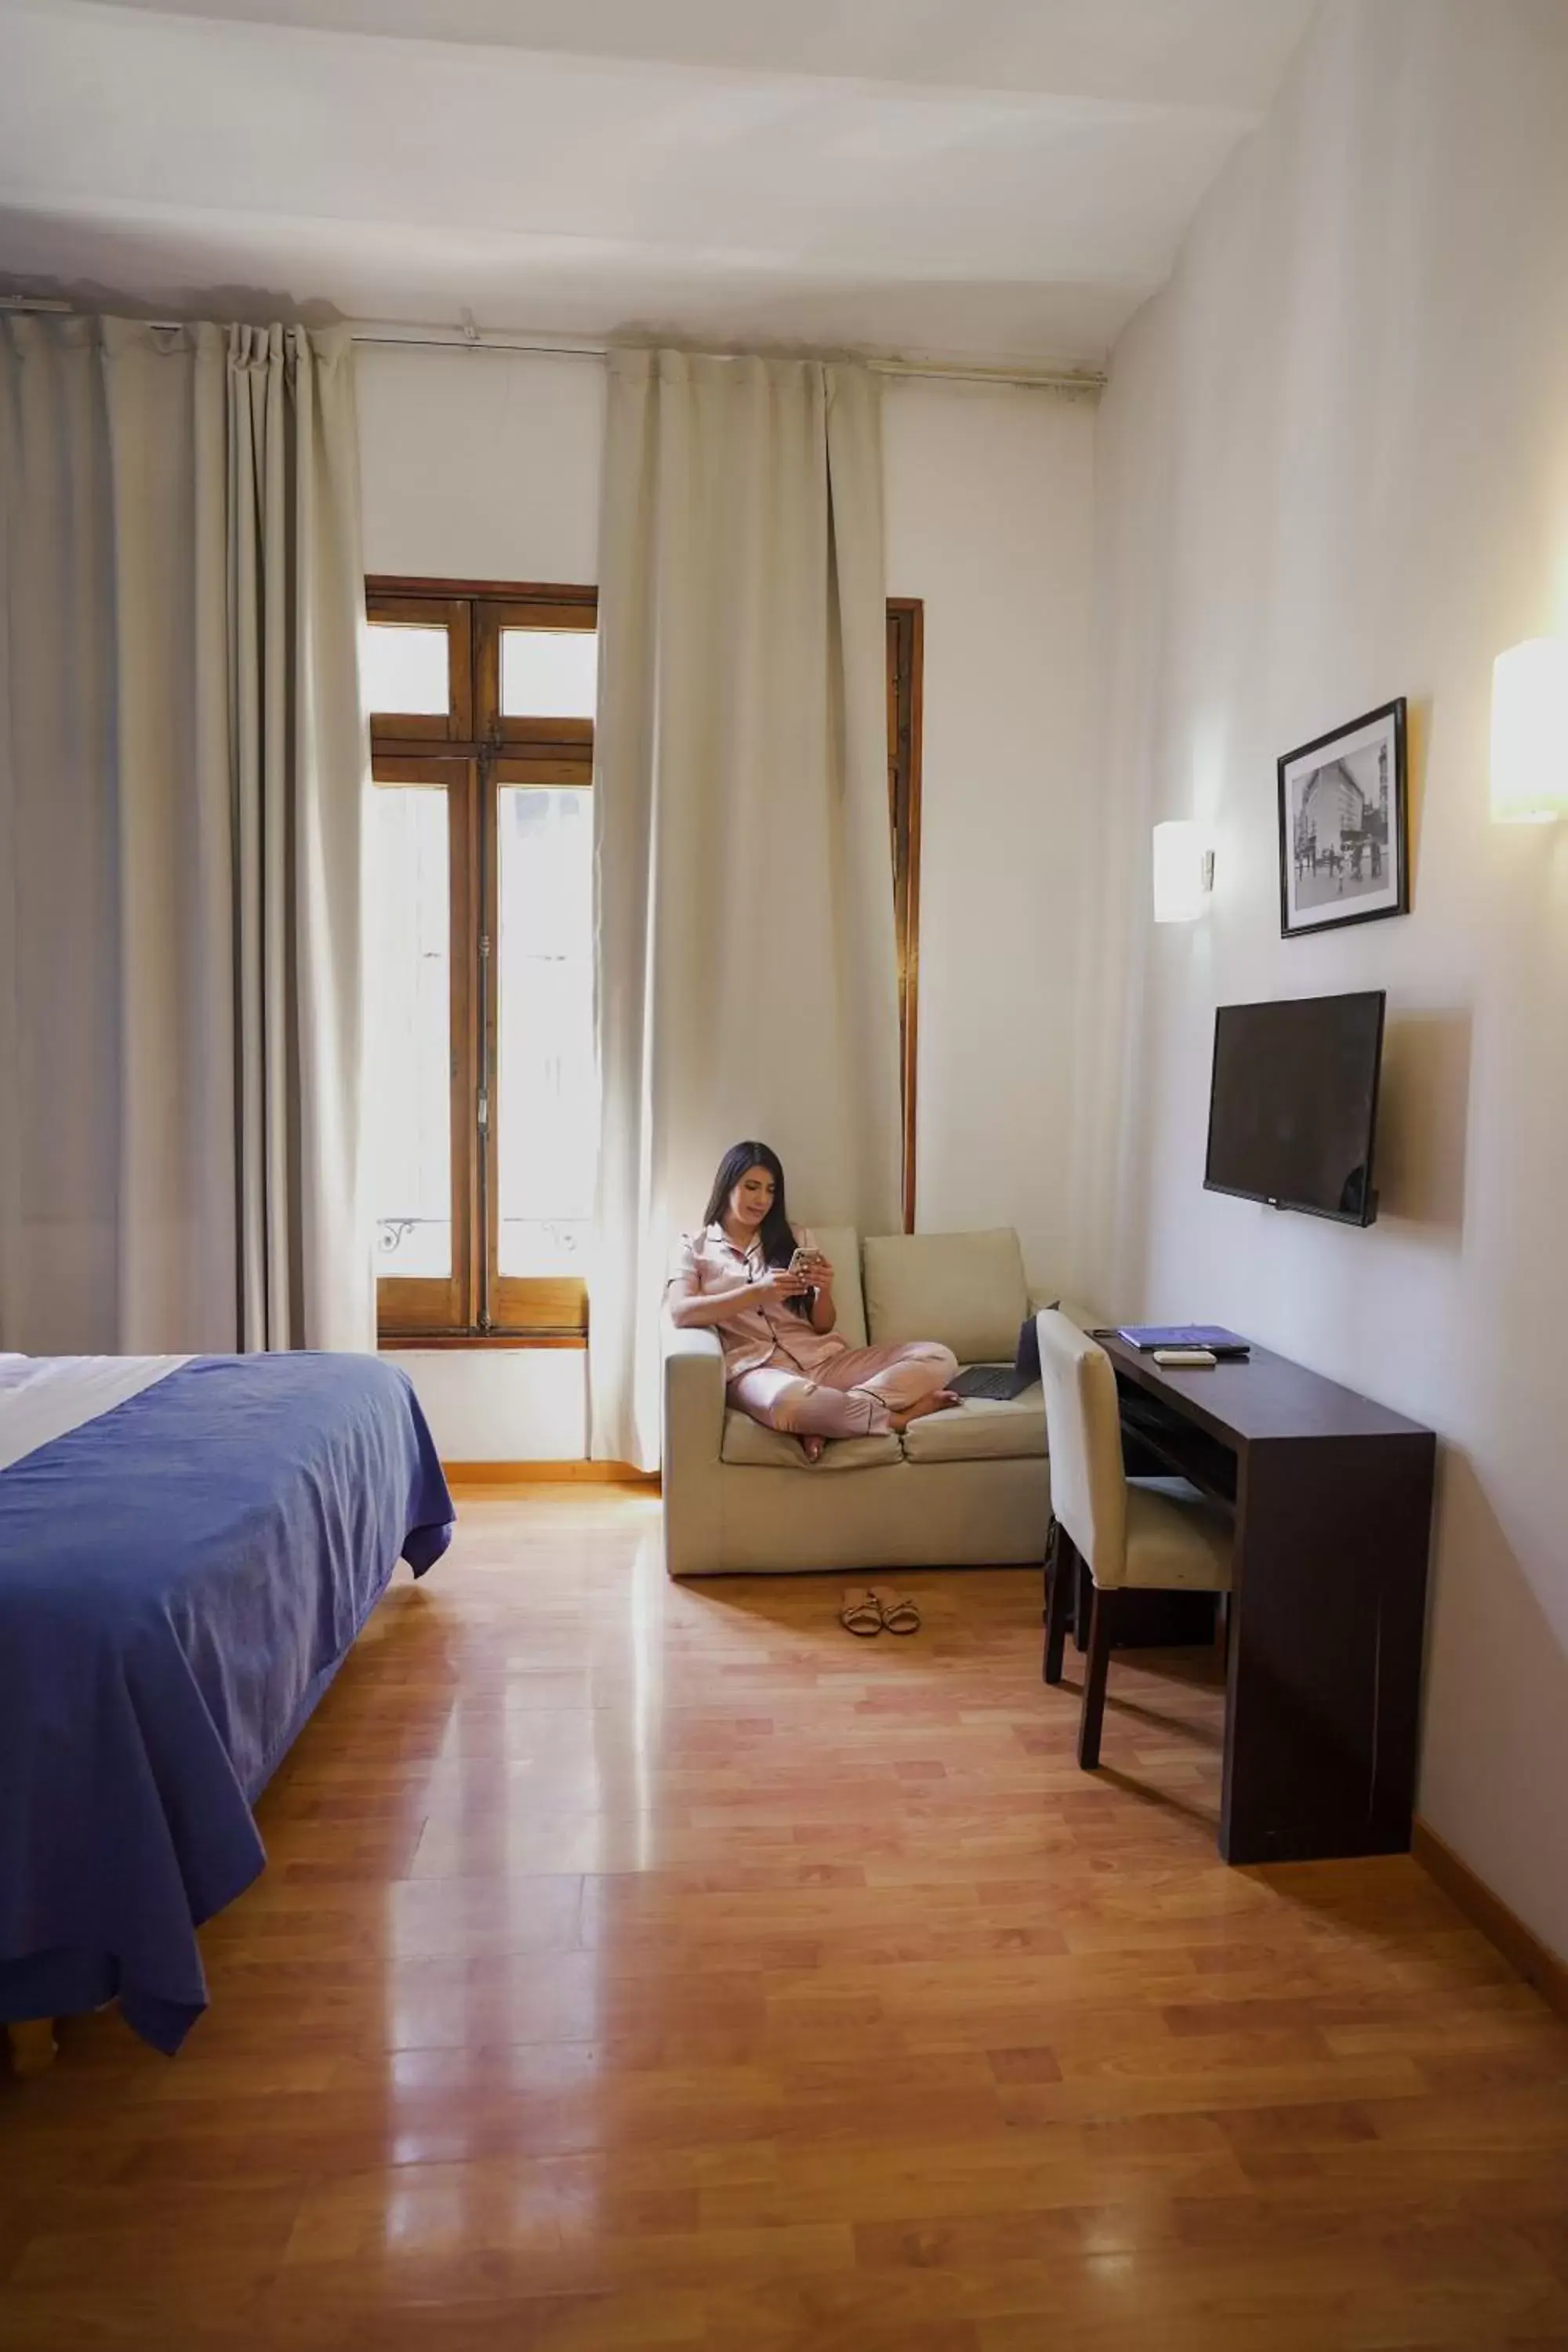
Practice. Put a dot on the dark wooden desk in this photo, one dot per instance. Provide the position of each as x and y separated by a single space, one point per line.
1333 1514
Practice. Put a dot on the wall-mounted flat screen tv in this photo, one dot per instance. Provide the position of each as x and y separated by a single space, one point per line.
1293 1107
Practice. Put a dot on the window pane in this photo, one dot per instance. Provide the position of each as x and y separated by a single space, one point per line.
547 1099
410 1031
549 673
406 669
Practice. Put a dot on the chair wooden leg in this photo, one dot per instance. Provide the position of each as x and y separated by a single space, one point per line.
1102 1631
1062 1576
1083 1603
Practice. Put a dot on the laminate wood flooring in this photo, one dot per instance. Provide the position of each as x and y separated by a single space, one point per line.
642 1966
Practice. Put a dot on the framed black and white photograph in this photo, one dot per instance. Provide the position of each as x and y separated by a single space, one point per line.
1343 832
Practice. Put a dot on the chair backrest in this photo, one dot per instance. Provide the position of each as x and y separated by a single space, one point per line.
1083 1439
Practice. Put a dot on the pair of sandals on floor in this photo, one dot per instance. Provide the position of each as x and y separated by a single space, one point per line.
867 1611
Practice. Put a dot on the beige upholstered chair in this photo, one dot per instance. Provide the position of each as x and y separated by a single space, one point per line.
1132 1534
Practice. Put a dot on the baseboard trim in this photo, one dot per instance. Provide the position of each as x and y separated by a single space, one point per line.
548 1473
1519 1944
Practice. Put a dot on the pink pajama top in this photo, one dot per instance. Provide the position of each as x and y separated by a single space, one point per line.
766 1333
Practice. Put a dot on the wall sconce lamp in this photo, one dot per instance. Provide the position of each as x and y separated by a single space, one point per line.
1184 871
1529 732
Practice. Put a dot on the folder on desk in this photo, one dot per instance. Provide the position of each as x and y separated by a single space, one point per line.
1211 1336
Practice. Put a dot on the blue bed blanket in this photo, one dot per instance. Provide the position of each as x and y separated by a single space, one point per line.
179 1581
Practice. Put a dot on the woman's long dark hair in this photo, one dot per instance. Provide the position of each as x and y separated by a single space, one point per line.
775 1232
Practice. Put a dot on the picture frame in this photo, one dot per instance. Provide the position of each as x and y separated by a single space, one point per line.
1344 831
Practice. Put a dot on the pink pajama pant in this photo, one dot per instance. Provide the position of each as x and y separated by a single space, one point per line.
854 1394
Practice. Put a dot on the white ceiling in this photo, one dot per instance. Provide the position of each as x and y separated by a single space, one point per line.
999 180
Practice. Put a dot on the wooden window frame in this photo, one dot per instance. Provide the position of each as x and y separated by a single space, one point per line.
542 1306
407 1307
534 609
473 751
448 612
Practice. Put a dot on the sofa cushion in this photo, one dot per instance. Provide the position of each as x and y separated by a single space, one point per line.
982 1429
964 1289
841 1245
748 1443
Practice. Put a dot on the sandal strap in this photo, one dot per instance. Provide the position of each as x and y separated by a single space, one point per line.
860 1613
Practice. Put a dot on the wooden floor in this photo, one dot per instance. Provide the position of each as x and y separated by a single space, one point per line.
640 1966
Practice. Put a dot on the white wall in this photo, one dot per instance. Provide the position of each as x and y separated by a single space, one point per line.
1333 465
990 521
481 465
501 1405
485 465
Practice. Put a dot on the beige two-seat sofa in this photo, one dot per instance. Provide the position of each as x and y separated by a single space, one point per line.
969 1487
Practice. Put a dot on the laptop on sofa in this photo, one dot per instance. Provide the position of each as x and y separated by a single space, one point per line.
1003 1383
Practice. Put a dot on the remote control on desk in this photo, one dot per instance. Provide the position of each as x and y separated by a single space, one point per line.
1184 1358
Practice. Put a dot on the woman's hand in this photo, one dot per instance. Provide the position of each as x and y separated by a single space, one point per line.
779 1283
823 1306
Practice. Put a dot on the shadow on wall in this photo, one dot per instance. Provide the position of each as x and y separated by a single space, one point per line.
981 319
1417 738
256 306
1495 1663
1423 1121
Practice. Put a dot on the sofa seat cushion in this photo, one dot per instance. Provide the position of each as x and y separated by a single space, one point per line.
747 1443
982 1429
965 1289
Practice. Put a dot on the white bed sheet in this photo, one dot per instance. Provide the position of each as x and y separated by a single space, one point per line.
46 1397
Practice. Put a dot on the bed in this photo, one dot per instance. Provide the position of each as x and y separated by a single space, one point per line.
188 1549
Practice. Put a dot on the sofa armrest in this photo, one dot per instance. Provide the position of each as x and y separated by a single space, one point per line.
693 1394
692 1377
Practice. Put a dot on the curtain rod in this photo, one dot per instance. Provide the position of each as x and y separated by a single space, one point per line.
475 339
470 338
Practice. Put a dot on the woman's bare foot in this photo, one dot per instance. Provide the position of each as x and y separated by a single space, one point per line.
812 1448
943 1399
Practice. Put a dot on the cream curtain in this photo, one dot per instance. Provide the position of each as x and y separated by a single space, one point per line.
746 958
181 765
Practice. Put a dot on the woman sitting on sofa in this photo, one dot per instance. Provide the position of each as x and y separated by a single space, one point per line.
767 1291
